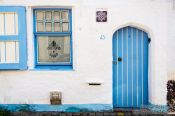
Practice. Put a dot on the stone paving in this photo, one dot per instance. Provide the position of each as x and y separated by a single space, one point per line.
118 112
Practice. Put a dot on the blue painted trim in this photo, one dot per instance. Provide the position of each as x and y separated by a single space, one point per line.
52 9
58 67
156 108
51 66
9 66
53 33
58 108
21 37
0 54
9 37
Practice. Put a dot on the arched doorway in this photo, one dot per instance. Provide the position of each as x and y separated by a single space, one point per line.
130 67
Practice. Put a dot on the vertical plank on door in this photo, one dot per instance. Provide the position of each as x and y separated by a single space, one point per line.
145 73
140 63
134 67
130 76
115 81
124 61
120 84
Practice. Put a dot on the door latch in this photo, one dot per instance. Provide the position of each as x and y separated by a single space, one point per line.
119 59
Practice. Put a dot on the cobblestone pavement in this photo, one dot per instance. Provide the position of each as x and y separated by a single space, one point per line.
118 112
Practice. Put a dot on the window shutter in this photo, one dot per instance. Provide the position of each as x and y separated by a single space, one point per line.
13 52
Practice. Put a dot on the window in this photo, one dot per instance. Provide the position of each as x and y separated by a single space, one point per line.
12 38
53 38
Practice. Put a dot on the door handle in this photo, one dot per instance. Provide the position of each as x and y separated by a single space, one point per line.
119 59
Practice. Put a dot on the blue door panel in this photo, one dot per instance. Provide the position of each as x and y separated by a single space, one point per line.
124 63
134 67
145 73
130 76
115 68
120 80
139 60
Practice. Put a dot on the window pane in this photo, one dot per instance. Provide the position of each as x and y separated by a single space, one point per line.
2 24
48 16
57 27
48 26
9 52
65 15
40 15
8 23
65 26
40 26
53 49
56 16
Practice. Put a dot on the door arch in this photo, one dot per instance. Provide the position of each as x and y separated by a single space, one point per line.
130 67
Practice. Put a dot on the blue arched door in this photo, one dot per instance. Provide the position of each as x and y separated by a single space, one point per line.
130 67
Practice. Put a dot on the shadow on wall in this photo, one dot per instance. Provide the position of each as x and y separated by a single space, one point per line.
171 95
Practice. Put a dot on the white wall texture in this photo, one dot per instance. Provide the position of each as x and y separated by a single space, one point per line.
92 57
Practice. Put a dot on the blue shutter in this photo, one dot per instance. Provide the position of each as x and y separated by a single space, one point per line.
19 38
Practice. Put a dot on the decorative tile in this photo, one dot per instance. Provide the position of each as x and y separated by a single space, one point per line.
101 16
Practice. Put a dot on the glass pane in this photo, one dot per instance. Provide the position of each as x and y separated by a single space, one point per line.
65 15
65 26
2 24
40 27
48 26
53 49
8 23
57 27
9 52
56 15
48 16
40 15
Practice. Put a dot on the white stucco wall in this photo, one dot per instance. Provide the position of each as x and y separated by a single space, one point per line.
92 57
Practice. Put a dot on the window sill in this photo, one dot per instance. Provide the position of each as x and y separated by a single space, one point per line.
53 68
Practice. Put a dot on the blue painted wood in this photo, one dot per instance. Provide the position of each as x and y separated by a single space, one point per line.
120 68
124 61
140 62
115 38
21 37
130 76
145 73
134 67
58 108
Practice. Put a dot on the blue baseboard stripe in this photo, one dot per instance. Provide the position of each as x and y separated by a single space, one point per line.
157 108
60 108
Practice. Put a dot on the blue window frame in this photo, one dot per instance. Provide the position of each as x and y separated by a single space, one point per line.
13 53
53 38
